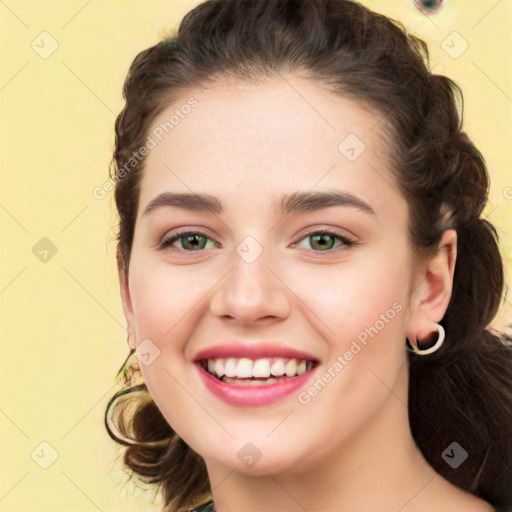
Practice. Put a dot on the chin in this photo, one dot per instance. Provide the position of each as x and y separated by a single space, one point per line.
253 459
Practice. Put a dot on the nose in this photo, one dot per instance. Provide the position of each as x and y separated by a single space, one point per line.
251 292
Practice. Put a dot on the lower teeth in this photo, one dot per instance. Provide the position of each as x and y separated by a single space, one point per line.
253 382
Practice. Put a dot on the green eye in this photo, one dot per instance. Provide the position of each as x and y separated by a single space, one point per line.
323 241
195 241
191 241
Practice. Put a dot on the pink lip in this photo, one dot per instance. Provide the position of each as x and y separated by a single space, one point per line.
252 395
255 350
246 396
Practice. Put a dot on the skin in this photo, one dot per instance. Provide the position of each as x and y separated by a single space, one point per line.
350 447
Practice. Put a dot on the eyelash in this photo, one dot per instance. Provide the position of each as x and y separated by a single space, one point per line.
347 242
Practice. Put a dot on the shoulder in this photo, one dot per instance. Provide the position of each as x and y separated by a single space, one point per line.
443 496
472 503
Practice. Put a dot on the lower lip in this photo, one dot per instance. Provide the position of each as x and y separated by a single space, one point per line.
246 396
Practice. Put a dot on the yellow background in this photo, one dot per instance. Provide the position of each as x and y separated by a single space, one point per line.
62 328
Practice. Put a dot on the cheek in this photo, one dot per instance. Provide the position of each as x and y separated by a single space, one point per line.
359 310
344 299
167 309
165 299
375 301
364 310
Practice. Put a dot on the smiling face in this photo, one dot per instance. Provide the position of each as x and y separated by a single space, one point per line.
255 273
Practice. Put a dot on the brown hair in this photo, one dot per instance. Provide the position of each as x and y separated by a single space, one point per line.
462 392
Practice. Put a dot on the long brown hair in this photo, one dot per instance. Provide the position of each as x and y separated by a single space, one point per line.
463 392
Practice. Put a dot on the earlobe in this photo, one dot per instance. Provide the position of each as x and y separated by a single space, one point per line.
126 299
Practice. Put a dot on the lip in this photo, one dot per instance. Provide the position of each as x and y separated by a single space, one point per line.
247 396
254 350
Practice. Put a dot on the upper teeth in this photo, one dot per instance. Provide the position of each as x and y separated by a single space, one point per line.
244 367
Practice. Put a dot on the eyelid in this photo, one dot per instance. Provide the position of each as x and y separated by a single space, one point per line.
339 232
166 241
347 240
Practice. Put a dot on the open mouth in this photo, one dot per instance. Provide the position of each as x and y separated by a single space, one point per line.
258 372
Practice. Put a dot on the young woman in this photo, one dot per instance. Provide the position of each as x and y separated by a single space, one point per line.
305 273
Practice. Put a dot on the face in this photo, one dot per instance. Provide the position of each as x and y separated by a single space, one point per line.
327 281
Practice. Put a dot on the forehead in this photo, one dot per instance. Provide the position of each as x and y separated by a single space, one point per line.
279 109
282 135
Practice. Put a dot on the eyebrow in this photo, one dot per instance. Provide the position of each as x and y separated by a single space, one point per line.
296 202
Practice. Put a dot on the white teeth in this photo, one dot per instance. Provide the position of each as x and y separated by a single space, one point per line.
261 368
230 367
249 382
301 367
291 368
243 368
277 369
218 367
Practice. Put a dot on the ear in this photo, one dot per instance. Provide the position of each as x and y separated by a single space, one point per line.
126 299
432 295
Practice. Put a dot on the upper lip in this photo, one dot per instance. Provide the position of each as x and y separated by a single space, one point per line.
254 350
